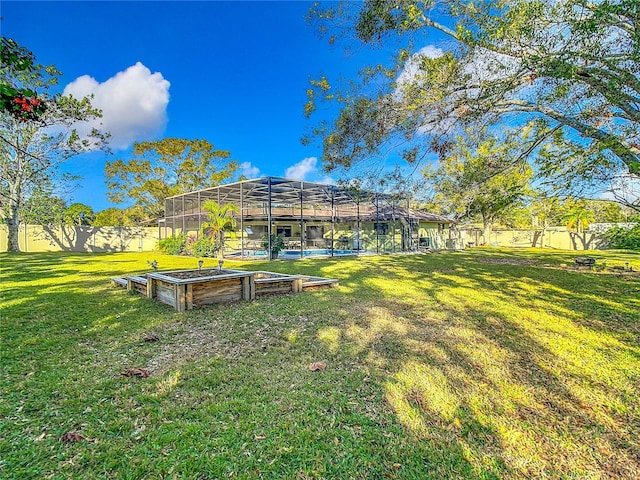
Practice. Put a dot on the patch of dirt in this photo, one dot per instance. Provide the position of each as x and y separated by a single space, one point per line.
194 341
205 338
72 437
205 272
620 272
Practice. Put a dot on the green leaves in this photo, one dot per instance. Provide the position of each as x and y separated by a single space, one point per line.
21 103
219 219
79 214
477 176
380 17
15 57
574 64
164 168
37 133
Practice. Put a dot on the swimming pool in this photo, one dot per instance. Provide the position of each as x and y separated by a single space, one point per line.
290 254
321 251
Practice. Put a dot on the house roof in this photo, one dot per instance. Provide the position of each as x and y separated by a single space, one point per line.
281 191
278 191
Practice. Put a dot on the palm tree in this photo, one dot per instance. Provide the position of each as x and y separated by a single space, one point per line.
220 219
578 217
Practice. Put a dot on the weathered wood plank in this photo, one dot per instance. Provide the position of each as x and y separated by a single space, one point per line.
138 279
151 288
212 289
211 300
181 297
189 299
217 284
270 288
166 293
217 291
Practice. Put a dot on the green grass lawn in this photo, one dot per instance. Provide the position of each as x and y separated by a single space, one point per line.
487 363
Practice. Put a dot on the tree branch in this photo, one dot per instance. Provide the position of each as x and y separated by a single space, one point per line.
628 154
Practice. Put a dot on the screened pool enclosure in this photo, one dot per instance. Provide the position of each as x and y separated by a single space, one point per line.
313 218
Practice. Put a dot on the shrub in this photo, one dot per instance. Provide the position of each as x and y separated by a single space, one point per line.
203 247
277 242
625 238
174 245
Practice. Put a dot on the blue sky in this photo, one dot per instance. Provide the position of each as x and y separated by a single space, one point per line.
233 73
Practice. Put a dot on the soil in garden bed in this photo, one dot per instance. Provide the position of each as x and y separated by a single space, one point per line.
205 272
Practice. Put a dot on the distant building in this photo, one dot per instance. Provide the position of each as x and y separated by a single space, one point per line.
603 227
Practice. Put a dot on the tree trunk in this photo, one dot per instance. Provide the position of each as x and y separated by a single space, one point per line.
487 228
13 226
221 245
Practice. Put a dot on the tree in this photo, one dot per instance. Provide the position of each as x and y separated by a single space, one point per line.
545 211
42 208
19 101
79 214
605 211
164 168
567 68
627 237
219 220
33 147
471 179
578 216
118 217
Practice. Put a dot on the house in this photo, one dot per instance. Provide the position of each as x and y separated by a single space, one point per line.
312 217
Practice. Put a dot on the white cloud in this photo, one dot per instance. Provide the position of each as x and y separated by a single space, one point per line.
300 170
430 52
411 67
624 188
308 169
248 170
328 180
487 66
133 103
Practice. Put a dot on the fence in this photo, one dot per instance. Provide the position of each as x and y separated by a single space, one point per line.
555 237
42 238
37 238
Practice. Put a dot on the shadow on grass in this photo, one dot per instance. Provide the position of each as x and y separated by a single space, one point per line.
492 370
507 361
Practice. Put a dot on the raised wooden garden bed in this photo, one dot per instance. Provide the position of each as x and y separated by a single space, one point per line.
269 283
185 289
137 283
318 283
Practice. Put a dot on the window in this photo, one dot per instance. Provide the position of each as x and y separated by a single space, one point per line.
381 228
285 230
256 231
315 232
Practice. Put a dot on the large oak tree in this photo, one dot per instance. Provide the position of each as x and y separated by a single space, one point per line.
569 68
164 168
471 180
